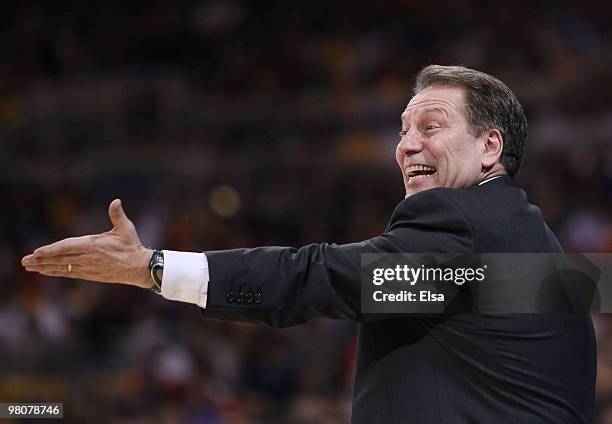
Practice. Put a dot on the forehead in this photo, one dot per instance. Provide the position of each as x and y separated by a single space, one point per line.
446 100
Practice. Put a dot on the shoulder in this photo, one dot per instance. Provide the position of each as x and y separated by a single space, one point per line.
471 207
495 216
503 192
439 207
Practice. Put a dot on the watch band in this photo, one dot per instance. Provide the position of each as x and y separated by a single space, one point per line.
156 268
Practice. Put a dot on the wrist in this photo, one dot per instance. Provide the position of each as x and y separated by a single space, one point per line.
145 274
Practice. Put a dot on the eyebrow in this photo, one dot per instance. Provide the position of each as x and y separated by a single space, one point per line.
428 110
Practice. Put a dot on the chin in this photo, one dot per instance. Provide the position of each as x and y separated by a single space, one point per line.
417 184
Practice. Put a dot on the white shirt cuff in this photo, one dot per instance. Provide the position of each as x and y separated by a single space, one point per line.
185 277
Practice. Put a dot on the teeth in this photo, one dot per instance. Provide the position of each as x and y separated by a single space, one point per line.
413 170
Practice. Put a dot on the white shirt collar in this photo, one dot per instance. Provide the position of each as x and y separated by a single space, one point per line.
489 179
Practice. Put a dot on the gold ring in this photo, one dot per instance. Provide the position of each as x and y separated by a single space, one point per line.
69 267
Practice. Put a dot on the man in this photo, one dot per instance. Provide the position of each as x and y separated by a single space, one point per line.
461 144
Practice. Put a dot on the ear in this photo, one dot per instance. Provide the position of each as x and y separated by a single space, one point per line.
492 146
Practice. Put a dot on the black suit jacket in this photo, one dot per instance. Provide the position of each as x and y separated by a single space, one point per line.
471 368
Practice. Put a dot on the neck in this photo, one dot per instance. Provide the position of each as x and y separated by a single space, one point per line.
495 171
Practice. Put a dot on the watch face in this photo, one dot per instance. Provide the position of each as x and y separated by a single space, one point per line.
159 272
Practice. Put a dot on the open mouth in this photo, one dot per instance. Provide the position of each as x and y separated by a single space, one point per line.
419 170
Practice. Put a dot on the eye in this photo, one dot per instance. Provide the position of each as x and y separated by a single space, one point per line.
403 132
431 126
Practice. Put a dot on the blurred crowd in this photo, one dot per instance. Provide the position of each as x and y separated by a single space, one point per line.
226 124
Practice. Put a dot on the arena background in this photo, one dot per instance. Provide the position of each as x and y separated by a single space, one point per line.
240 123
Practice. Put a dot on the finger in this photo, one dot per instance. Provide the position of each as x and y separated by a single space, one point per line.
57 270
76 271
118 217
56 260
73 245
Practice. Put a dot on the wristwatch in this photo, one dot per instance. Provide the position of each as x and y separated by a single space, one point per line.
156 268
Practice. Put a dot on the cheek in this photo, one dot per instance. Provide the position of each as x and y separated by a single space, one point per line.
441 151
452 152
467 160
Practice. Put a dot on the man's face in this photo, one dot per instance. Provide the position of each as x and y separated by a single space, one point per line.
437 148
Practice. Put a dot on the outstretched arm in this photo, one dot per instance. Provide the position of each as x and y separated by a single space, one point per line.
275 286
115 256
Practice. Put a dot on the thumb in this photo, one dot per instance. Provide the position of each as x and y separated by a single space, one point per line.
118 217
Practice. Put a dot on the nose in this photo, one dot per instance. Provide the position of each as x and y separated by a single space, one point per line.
409 144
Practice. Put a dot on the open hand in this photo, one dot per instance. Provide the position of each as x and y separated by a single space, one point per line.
116 256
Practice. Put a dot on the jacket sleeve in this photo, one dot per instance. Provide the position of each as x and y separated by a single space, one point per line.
284 286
